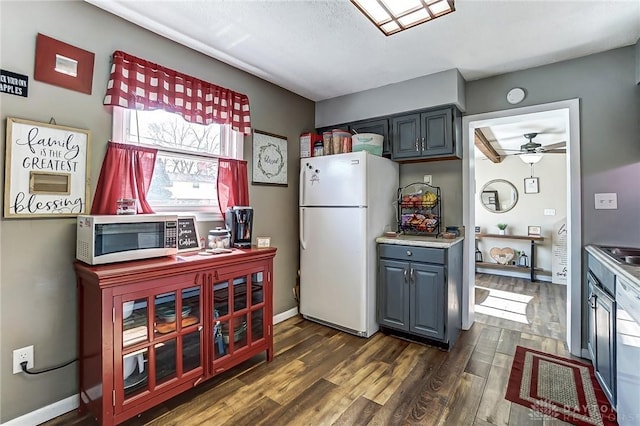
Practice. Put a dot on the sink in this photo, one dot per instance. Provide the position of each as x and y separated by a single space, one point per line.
624 255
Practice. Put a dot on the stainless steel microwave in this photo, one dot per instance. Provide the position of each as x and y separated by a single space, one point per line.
117 238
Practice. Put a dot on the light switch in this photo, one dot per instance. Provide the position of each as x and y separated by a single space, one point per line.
549 212
608 200
427 179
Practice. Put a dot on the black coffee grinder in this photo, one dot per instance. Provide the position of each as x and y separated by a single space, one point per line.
239 221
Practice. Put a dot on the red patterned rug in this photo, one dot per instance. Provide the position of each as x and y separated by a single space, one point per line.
557 387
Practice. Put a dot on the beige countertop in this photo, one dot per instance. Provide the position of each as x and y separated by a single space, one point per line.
419 241
629 272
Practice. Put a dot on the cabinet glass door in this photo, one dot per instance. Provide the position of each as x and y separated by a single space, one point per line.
161 339
238 313
134 322
134 372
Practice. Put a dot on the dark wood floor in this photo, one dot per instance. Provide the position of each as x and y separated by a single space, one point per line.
321 376
538 308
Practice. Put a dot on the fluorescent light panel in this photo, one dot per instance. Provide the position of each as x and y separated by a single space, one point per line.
393 16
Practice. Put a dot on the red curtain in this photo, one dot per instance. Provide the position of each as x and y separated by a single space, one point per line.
138 84
233 185
126 173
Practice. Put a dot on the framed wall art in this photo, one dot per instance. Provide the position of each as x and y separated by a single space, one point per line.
63 65
534 231
46 170
269 159
531 185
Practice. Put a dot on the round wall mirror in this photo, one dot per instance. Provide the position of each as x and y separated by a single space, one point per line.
498 196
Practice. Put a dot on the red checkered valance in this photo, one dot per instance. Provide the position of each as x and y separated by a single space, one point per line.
139 84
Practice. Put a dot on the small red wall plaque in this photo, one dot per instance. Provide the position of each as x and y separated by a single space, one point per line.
63 65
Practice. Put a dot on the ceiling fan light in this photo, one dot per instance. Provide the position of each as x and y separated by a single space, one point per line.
531 158
392 16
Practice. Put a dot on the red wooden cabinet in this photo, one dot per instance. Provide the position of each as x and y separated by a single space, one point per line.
149 330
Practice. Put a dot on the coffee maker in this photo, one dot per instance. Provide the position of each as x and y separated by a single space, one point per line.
239 221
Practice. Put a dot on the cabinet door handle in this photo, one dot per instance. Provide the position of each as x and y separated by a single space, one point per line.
591 302
405 276
412 275
417 147
423 146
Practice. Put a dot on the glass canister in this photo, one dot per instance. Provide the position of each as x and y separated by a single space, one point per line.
219 238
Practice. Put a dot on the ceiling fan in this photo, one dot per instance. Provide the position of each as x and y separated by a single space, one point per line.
531 152
532 147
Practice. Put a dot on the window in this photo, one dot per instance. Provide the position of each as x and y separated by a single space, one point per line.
186 169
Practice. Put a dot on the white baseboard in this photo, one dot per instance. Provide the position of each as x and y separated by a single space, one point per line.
47 413
285 315
59 408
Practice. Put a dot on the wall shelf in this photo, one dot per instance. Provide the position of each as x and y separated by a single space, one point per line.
532 238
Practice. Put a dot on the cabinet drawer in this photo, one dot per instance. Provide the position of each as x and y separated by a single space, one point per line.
412 253
606 278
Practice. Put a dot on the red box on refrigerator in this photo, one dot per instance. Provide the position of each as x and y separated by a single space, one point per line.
306 144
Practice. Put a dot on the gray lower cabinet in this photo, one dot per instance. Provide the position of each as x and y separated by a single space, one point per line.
601 325
419 291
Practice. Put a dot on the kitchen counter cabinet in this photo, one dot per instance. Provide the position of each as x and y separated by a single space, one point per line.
427 135
151 329
420 135
419 291
601 325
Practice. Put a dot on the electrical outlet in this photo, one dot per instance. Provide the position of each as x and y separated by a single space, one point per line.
427 179
22 355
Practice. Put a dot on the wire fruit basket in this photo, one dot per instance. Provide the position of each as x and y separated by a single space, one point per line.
419 211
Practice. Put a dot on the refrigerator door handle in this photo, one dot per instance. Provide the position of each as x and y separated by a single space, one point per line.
303 244
302 176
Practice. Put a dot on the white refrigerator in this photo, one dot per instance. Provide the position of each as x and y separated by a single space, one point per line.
346 201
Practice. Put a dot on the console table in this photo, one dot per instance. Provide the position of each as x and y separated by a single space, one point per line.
531 238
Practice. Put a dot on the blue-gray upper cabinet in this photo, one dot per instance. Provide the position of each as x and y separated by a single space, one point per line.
378 126
433 134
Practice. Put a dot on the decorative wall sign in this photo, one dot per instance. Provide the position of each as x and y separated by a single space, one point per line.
46 170
534 231
63 65
531 185
14 83
188 238
559 259
263 242
269 159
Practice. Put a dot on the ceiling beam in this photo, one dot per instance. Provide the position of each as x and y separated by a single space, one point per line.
481 142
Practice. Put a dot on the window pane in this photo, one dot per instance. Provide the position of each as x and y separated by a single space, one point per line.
163 129
183 181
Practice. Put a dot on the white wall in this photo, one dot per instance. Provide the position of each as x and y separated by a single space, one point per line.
529 210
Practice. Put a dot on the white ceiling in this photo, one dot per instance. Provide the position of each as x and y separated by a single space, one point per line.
323 49
550 129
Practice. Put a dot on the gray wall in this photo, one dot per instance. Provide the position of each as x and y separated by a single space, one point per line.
446 87
37 291
609 131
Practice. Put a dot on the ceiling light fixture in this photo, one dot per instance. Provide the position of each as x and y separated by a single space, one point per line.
531 158
393 16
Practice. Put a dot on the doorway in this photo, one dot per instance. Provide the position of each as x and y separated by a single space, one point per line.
569 110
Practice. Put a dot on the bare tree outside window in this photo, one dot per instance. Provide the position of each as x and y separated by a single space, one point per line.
186 170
